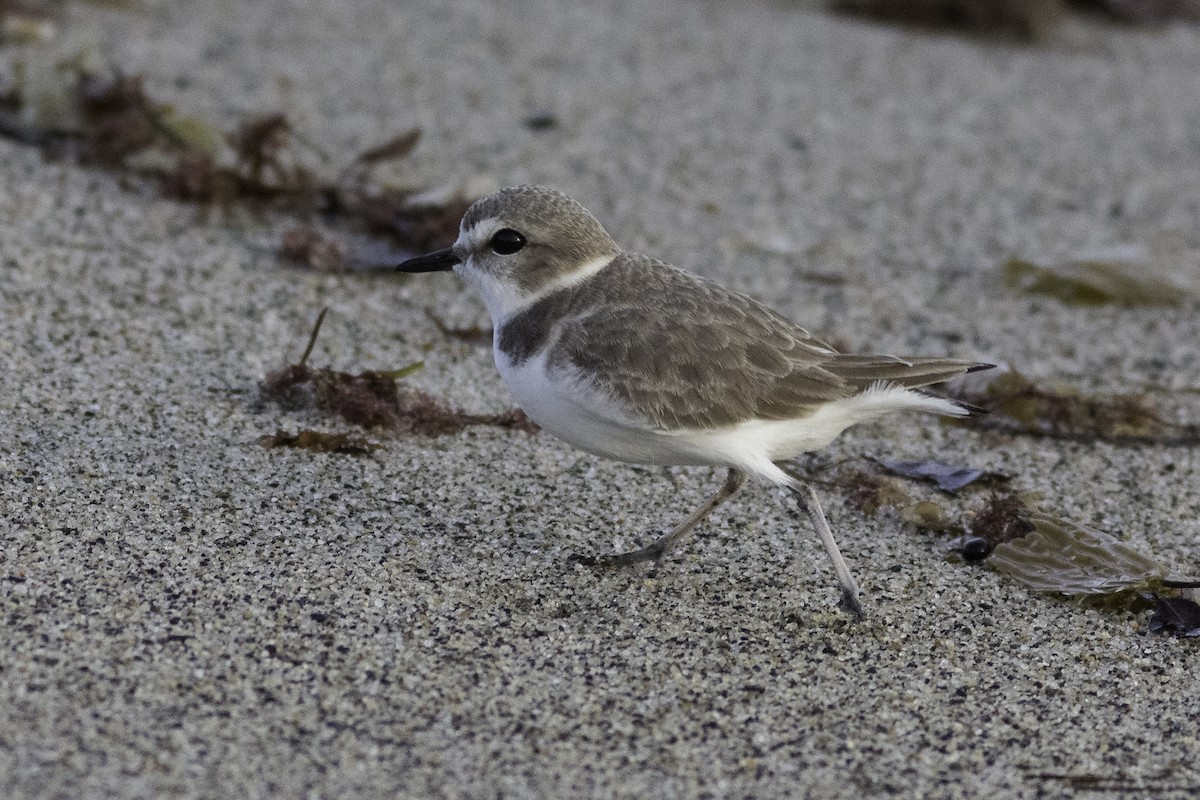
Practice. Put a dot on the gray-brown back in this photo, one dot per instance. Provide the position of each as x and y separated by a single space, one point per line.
683 352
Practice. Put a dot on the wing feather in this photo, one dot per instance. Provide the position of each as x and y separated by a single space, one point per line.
682 352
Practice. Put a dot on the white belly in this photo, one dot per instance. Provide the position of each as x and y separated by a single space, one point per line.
580 414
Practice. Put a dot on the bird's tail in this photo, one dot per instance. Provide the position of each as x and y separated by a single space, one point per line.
868 372
911 373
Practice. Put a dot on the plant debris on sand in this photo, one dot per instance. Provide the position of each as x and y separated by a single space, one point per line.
319 442
311 248
1042 551
113 122
1175 615
1125 277
473 334
373 399
948 478
26 22
1024 20
1018 405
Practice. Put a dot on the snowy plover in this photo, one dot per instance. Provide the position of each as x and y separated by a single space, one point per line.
630 358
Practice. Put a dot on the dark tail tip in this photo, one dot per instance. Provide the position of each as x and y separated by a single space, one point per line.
980 367
971 409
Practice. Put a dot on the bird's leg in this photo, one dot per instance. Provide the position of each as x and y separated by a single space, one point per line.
655 552
806 498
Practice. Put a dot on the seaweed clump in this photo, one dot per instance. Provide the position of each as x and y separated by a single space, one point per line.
374 399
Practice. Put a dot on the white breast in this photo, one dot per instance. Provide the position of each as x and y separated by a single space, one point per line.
576 411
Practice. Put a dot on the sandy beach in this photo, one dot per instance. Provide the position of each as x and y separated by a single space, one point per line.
187 614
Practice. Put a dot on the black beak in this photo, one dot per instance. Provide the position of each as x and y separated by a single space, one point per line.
437 261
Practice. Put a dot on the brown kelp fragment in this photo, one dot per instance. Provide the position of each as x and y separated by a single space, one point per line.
311 248
421 412
1002 519
870 491
1065 557
399 146
112 121
373 399
367 398
1027 20
414 225
119 118
320 442
1123 277
266 161
414 221
1018 405
474 334
1144 11
25 23
197 178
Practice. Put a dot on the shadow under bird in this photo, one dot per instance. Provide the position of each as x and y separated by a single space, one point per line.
624 356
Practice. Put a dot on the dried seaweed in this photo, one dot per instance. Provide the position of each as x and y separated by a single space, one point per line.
1020 406
113 122
870 491
1023 20
421 412
1004 518
414 225
399 146
1119 278
473 334
266 165
1144 11
320 442
1026 20
1045 552
309 247
1065 557
196 178
370 399
25 23
373 399
119 118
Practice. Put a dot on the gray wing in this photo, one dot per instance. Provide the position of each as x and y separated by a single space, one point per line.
680 351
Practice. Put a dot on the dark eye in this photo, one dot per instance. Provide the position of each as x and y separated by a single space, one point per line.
506 241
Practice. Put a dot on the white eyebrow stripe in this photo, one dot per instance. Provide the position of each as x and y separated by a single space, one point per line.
477 233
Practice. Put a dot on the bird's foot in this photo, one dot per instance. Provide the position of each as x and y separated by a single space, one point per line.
851 605
653 553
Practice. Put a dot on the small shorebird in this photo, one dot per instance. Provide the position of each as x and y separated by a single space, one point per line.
630 358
